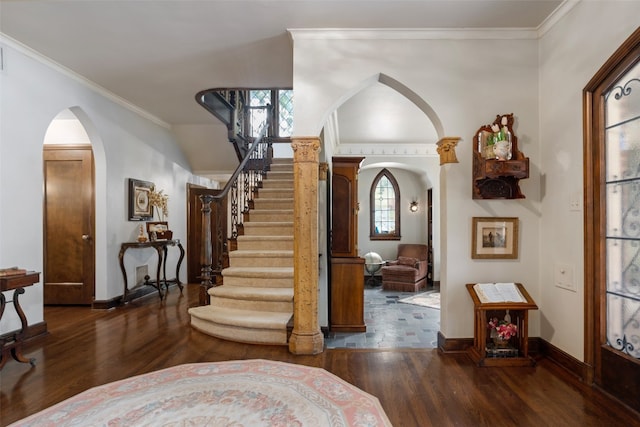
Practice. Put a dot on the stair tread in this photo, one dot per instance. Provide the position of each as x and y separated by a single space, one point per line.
266 253
243 318
258 271
264 238
247 293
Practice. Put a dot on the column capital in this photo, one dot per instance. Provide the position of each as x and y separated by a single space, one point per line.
447 149
306 149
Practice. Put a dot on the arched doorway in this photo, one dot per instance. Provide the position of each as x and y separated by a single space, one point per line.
69 213
391 127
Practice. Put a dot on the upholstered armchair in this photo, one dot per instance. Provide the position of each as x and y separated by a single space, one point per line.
408 273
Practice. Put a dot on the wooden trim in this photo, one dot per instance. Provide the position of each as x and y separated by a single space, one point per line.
33 331
579 369
135 293
453 345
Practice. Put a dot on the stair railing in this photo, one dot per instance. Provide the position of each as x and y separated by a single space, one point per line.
239 190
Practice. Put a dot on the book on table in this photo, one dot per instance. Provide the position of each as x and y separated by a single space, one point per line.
12 271
498 292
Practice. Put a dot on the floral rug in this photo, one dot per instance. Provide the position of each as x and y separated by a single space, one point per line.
235 393
427 299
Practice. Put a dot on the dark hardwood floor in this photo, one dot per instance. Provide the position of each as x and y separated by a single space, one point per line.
85 348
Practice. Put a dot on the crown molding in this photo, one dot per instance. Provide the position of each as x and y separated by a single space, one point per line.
31 53
412 33
555 16
434 33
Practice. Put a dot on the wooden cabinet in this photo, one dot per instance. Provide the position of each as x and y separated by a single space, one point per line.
483 352
344 206
498 178
346 290
347 295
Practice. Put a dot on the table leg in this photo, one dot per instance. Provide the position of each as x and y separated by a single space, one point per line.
158 282
124 274
18 337
178 266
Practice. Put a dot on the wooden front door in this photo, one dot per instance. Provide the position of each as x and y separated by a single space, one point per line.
69 255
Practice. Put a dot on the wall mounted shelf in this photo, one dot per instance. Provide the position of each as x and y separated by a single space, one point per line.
495 178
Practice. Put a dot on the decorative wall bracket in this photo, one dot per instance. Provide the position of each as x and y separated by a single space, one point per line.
498 165
447 149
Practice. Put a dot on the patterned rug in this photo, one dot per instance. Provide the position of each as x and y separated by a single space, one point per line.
427 299
236 393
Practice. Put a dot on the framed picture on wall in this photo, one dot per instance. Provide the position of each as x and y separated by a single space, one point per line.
494 238
140 209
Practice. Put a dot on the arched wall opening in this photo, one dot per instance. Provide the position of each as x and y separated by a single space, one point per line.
72 126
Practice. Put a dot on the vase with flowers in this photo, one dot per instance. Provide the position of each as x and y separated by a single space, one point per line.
160 202
501 331
500 139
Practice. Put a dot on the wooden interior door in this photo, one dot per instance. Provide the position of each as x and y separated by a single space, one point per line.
69 255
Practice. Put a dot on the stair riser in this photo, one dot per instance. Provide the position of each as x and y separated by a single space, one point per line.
284 184
266 262
272 204
240 334
259 216
274 306
259 282
260 245
250 230
275 193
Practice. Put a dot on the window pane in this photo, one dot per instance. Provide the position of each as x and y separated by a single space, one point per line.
258 116
285 112
622 112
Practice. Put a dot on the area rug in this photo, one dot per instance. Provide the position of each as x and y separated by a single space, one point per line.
235 394
426 299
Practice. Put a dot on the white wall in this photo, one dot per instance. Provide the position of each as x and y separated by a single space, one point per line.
125 144
413 226
570 55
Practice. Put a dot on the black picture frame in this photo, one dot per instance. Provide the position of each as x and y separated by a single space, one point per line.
140 208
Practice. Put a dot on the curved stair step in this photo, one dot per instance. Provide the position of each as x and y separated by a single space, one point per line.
261 327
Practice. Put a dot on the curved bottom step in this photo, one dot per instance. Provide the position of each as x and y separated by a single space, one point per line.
253 327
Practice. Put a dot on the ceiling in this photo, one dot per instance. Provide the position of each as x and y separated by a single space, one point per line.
157 55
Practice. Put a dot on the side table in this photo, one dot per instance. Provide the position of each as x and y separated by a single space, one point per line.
12 343
161 247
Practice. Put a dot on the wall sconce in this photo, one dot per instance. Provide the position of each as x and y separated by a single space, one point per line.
413 207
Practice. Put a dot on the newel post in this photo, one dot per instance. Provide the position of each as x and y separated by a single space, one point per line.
306 337
206 252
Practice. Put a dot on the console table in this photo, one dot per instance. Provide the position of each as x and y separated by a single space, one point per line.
12 343
161 247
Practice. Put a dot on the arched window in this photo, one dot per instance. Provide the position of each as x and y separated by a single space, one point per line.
384 200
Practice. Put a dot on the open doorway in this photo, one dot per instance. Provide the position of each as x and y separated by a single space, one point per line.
389 126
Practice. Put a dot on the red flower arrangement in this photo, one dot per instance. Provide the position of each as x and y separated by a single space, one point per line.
504 329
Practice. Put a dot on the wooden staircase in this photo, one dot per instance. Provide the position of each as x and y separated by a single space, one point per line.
255 302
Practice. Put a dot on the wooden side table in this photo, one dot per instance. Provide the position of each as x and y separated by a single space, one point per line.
482 351
12 343
161 248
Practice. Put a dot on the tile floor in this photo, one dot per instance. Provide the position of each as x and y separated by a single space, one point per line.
391 324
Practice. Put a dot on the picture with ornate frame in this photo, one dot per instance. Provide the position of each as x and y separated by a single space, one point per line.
494 238
161 230
139 207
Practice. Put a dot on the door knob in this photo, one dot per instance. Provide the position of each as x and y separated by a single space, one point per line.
86 237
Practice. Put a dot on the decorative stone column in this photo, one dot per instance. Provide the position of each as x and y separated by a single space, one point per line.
306 337
447 149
